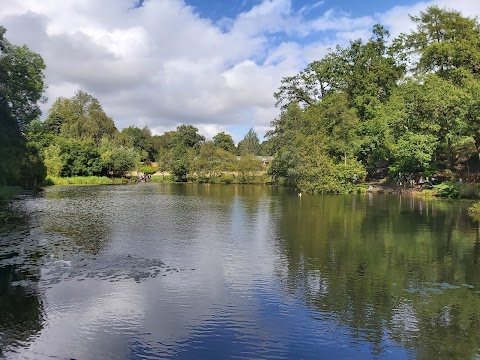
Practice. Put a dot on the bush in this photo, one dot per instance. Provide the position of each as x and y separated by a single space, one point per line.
469 191
226 179
457 190
148 170
448 189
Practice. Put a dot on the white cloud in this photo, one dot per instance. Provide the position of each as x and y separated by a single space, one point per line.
162 64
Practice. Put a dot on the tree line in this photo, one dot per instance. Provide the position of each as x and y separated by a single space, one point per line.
374 108
383 108
78 138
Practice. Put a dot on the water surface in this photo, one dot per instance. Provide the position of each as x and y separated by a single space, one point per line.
187 271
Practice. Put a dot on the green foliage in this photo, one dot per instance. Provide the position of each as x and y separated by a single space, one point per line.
53 160
413 153
79 118
148 170
213 161
80 158
181 162
469 191
161 179
448 189
141 140
21 81
117 159
361 105
187 136
250 144
224 141
248 167
32 169
316 172
21 88
457 190
85 180
474 209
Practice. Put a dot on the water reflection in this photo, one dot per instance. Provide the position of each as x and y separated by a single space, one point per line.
21 306
215 271
401 269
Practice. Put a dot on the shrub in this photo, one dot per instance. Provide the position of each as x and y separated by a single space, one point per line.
448 189
469 191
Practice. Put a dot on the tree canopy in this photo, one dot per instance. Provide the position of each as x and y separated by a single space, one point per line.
409 105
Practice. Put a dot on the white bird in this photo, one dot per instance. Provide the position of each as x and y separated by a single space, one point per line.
300 194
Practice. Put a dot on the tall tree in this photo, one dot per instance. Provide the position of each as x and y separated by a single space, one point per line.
141 140
224 141
21 81
80 117
444 42
250 143
21 89
188 136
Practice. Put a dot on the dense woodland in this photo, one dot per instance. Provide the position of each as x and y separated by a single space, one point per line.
375 108
382 107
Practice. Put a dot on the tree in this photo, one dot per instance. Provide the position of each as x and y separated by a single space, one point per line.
80 117
188 136
141 140
224 141
250 144
181 162
21 88
341 123
213 161
80 158
445 43
117 160
164 159
53 160
21 81
247 166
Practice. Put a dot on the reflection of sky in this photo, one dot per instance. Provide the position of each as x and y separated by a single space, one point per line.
226 300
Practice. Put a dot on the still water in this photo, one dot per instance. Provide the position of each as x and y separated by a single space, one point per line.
186 271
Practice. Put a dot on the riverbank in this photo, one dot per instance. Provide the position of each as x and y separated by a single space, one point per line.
447 189
86 180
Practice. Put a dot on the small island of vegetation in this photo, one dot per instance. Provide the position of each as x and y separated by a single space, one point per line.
380 108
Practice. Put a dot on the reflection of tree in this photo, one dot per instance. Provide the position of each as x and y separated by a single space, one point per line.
353 257
21 314
82 215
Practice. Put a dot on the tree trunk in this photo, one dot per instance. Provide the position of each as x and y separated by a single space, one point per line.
477 145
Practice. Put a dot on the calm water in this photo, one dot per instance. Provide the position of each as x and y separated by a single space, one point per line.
213 272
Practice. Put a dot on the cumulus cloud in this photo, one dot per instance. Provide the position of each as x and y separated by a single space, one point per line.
162 64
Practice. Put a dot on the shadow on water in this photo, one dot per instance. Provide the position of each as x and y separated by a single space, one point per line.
396 269
21 315
21 307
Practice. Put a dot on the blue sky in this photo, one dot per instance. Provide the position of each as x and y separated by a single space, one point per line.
212 64
215 9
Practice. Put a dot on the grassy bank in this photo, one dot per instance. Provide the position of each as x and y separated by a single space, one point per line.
85 180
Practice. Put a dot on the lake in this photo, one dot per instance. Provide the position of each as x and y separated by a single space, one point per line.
185 271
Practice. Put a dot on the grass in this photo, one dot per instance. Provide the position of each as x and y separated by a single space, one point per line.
161 179
85 180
